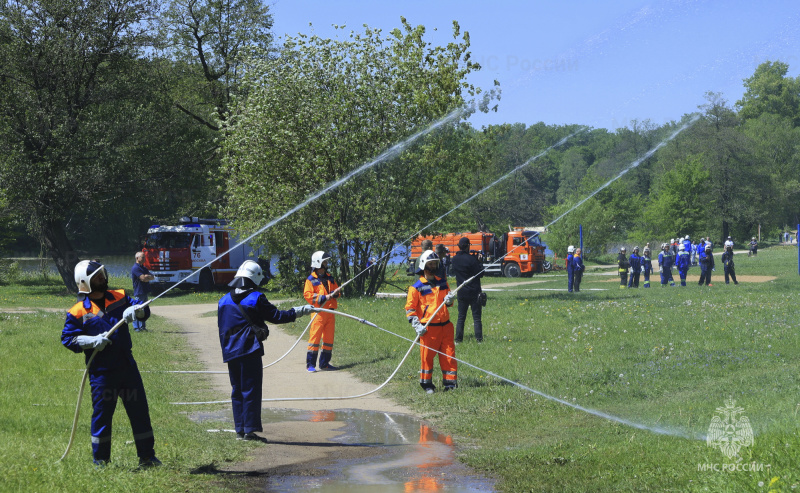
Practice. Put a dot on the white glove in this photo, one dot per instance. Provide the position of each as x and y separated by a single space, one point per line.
299 311
448 299
418 327
659 270
98 342
132 313
713 270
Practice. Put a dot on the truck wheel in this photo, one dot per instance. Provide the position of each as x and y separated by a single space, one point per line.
512 270
546 265
206 282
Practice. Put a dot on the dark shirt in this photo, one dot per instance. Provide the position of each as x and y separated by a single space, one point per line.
139 287
465 266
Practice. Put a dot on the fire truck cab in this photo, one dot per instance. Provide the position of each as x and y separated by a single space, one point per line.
173 253
516 253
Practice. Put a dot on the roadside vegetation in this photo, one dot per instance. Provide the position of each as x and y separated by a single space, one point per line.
663 358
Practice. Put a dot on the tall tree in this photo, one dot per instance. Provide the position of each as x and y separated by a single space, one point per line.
325 107
62 61
769 90
211 39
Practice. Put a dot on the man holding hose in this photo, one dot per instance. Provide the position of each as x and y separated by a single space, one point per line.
424 297
113 373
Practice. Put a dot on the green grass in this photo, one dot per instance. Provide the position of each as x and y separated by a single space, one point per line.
40 380
661 357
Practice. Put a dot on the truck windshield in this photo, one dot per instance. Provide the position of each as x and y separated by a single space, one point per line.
169 240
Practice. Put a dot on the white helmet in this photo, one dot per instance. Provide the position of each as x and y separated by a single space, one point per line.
636 249
672 241
248 270
728 243
570 249
317 259
427 256
681 247
687 237
84 271
754 238
622 249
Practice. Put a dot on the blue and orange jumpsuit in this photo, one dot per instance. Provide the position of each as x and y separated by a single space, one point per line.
113 374
317 292
422 300
242 351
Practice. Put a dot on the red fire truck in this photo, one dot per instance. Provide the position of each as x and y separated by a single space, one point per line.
516 253
173 253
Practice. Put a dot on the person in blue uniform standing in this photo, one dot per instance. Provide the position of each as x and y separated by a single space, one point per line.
241 317
636 268
706 266
665 262
113 373
647 266
570 265
578 268
727 262
141 277
683 262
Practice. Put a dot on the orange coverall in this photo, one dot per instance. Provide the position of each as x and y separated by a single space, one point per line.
422 300
317 292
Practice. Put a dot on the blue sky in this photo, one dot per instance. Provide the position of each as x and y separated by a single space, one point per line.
601 64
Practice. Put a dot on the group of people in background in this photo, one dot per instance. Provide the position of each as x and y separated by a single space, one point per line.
680 254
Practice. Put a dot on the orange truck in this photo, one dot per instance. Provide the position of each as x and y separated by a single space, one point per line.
514 254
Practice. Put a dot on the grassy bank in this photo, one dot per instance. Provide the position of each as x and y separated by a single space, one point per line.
664 359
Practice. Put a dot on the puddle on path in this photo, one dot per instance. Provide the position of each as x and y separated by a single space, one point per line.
409 455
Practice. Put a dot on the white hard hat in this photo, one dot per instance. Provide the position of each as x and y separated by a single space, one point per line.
672 240
427 256
636 249
570 249
84 271
248 270
622 249
687 237
754 237
681 247
728 243
317 259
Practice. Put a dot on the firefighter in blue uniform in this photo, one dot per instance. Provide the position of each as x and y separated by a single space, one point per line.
665 262
636 268
241 318
570 267
683 262
113 374
706 265
647 266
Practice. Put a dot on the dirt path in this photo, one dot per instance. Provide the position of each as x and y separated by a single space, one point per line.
296 447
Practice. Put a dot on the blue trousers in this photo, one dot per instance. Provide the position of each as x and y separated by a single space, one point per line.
246 375
570 279
140 324
682 274
125 385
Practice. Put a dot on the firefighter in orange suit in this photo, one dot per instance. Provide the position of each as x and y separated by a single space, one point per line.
424 297
321 291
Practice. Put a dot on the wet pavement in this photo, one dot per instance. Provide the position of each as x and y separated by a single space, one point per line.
409 456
